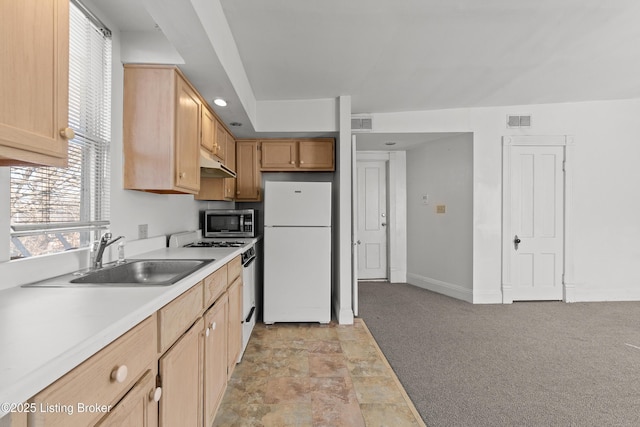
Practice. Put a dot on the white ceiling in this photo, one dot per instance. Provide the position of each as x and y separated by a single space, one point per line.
408 55
421 55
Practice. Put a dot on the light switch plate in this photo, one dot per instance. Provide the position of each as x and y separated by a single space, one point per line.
441 209
425 199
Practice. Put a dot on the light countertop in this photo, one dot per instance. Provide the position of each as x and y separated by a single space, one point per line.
46 332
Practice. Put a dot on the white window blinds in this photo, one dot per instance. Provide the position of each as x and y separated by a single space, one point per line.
55 209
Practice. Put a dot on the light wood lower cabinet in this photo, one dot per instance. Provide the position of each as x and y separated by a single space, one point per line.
180 370
139 407
181 356
176 317
215 357
101 380
235 324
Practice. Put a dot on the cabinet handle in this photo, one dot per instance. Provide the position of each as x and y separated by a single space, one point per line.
67 133
208 332
301 161
119 374
238 192
293 163
155 394
213 325
182 175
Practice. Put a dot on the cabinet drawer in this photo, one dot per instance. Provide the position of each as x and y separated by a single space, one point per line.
177 316
95 381
234 269
214 285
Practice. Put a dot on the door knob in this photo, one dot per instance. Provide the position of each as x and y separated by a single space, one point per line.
359 242
516 242
384 224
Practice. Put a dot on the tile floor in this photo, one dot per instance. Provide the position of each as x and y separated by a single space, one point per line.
314 375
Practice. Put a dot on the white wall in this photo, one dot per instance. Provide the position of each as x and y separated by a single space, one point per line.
440 246
607 205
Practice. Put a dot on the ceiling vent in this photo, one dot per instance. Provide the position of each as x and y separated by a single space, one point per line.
519 121
361 124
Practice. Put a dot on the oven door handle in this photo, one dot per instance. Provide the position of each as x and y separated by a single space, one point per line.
248 319
248 262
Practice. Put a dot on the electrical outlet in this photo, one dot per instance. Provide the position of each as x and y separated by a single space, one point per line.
143 231
425 199
441 209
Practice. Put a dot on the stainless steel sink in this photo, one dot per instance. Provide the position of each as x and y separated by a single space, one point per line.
144 272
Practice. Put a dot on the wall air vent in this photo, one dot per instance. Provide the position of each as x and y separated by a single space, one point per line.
361 124
519 121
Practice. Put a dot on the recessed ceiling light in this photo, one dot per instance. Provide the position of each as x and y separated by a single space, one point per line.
237 124
389 143
220 102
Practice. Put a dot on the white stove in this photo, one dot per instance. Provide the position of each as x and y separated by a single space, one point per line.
193 239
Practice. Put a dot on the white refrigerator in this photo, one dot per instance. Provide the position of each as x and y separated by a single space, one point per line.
297 252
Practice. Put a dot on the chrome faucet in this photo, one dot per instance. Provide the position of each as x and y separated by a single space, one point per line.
104 242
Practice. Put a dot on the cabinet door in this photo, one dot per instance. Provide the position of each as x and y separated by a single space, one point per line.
215 357
138 408
187 150
208 130
221 142
34 88
234 323
278 155
180 373
230 162
316 154
248 177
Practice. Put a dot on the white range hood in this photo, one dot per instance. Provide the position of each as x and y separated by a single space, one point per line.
212 168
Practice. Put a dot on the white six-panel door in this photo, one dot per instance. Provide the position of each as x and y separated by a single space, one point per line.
372 219
535 238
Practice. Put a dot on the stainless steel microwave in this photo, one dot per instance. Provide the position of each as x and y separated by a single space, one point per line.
228 223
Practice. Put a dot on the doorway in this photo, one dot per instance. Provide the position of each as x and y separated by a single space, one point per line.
372 219
535 218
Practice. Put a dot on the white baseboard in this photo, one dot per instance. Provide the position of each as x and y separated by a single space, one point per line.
582 294
448 289
344 315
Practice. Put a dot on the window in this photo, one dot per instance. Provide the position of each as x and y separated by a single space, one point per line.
56 209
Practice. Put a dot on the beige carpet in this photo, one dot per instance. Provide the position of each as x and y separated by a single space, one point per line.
525 364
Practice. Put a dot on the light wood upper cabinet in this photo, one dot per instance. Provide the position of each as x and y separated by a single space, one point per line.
298 155
34 87
279 155
208 134
221 188
187 137
248 176
161 137
221 143
316 154
230 162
